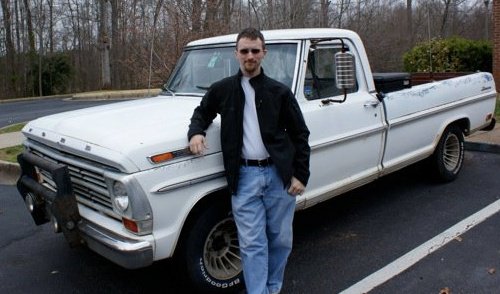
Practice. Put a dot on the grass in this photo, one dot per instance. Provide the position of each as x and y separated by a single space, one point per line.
497 109
12 128
10 153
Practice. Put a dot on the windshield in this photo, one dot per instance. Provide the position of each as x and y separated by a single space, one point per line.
199 68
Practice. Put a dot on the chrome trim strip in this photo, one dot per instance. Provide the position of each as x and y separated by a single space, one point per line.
190 182
66 159
435 110
366 133
98 208
178 154
89 182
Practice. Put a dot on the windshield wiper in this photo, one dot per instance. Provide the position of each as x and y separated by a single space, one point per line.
164 88
203 87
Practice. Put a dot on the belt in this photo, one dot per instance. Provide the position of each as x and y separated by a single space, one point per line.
255 162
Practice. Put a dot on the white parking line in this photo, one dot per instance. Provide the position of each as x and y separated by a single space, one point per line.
406 261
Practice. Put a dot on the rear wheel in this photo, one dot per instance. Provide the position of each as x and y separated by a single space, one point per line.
211 252
447 160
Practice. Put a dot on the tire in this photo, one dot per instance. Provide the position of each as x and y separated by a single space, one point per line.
210 252
448 158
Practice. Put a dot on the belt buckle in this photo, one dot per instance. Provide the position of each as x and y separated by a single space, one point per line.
260 163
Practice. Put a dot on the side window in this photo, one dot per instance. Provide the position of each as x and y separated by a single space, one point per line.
320 74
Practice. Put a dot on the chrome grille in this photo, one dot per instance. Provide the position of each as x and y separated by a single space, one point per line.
89 187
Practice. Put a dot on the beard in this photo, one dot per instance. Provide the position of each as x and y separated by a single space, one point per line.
251 67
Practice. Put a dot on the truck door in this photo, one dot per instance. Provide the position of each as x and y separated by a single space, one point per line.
346 138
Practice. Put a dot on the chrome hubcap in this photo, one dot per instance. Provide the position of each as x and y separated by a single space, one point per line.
221 253
451 152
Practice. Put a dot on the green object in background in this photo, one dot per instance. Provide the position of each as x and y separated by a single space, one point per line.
12 128
497 108
10 153
450 55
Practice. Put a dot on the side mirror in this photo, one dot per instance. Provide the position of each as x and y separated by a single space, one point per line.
345 70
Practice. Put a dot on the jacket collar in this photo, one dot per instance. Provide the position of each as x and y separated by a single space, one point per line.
256 78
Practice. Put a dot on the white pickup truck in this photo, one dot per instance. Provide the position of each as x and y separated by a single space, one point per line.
120 179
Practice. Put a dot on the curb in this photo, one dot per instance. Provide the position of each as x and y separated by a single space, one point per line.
96 95
10 172
63 96
482 147
117 95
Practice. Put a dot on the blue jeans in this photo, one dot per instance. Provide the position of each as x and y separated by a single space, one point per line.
263 211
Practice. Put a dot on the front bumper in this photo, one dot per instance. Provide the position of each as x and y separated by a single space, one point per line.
123 251
61 208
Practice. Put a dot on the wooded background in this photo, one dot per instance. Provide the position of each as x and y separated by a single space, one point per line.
67 46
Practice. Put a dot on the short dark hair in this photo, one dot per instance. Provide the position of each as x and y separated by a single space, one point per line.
252 34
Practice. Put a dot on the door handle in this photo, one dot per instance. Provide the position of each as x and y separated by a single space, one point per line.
371 103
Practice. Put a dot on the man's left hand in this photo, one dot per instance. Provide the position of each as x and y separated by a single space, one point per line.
296 187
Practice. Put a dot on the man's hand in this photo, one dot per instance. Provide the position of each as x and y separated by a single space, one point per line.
197 144
296 187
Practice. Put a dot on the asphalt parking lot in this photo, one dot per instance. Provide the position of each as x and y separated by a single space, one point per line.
359 242
337 243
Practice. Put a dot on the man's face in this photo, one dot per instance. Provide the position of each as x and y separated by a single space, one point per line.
250 54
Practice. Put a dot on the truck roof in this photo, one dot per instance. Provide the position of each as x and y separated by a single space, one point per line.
288 34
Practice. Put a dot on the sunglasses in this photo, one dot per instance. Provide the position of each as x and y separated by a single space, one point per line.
246 51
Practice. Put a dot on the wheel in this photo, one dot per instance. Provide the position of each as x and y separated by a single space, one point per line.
211 252
447 160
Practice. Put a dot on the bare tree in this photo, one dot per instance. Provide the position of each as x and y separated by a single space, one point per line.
104 43
342 8
270 14
299 12
446 13
40 22
29 22
196 15
7 22
135 43
116 14
211 14
155 21
50 4
324 13
409 19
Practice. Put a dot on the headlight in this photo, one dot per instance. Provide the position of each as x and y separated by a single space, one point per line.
121 196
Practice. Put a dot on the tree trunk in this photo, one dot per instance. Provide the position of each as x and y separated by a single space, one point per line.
159 4
18 27
10 48
196 16
210 14
409 22
343 9
104 45
29 87
51 25
115 44
270 14
227 9
29 23
41 24
444 21
324 13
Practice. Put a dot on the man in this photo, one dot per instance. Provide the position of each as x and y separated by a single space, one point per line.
266 153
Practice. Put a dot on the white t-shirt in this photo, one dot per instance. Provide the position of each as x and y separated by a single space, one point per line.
253 147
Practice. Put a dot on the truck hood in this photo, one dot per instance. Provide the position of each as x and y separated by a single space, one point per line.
124 134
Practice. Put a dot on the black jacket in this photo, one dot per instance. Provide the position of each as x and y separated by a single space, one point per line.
282 127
